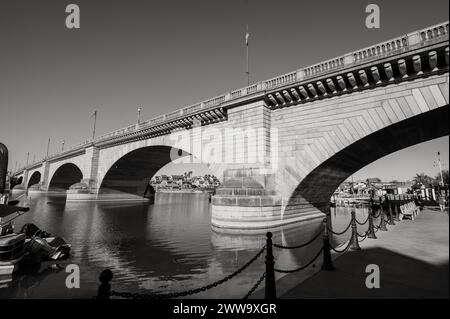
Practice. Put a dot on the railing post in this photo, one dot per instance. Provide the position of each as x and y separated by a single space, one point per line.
327 262
383 220
104 289
398 210
354 244
391 219
370 231
270 290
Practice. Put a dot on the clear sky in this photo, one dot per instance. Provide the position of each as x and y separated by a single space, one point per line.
164 55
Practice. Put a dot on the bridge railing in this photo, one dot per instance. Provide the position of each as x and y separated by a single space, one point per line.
377 51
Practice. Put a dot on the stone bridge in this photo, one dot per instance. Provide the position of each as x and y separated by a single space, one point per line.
282 145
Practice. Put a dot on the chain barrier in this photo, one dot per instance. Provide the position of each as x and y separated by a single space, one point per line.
342 251
361 240
364 234
269 274
377 215
190 291
364 221
340 233
301 245
251 291
301 267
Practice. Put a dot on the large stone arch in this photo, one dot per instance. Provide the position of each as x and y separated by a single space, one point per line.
318 186
129 176
19 180
35 178
322 142
64 176
166 144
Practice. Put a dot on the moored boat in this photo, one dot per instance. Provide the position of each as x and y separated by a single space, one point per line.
12 245
40 245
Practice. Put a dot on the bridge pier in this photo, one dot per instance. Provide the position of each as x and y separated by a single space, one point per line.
247 200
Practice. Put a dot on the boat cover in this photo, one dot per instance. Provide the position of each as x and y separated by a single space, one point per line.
6 210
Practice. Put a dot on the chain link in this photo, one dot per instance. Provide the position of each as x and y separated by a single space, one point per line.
302 267
378 215
356 220
301 245
360 241
251 291
171 295
342 251
340 233
364 234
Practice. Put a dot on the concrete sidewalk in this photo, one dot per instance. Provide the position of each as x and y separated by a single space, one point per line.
413 257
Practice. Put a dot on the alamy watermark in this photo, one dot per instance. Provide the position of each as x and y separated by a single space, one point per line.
226 145
73 279
373 279
373 19
73 17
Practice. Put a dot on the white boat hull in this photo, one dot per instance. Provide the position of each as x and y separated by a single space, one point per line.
7 268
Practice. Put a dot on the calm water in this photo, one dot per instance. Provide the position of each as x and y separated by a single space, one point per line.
165 247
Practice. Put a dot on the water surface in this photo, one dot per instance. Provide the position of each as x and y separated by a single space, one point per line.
168 246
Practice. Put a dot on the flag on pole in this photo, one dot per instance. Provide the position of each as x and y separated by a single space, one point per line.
247 35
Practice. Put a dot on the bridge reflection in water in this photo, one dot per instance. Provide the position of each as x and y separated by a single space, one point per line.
168 246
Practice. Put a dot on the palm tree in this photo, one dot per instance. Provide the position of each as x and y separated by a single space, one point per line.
423 179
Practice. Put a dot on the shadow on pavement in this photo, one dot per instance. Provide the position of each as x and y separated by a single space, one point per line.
400 277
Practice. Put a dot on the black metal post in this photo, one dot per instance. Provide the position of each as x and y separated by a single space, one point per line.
327 262
354 244
398 210
104 289
3 168
270 290
382 220
371 231
391 218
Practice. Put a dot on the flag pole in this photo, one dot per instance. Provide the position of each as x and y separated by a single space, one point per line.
246 45
440 168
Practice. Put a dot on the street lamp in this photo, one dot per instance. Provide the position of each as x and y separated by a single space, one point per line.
48 147
62 145
94 114
139 115
440 168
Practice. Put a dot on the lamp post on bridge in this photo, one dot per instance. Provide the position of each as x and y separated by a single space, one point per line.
28 157
94 114
48 148
139 115
62 145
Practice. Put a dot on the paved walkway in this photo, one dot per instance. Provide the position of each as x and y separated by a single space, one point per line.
413 257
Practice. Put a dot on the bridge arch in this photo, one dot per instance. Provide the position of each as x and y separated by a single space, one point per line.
35 178
65 176
319 185
19 180
129 176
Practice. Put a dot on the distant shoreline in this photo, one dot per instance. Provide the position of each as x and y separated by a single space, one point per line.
182 191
